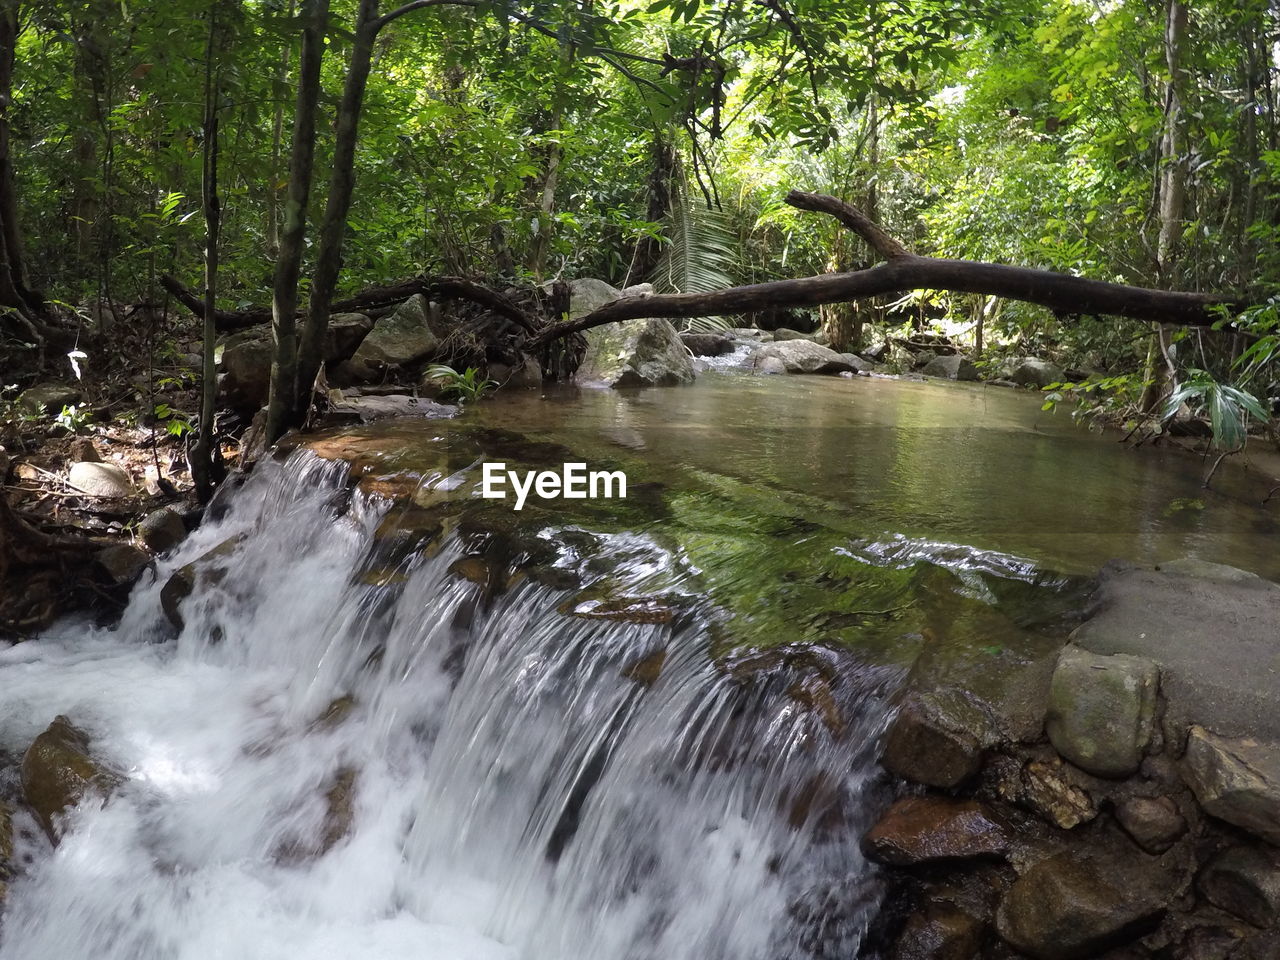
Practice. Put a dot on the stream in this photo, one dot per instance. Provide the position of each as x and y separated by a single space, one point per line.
406 722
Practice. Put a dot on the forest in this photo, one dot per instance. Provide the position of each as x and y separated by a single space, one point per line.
639 479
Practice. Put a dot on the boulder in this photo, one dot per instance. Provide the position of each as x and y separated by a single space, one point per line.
526 375
587 294
803 356
940 931
123 563
1102 710
770 366
1032 372
1235 780
1154 823
1074 907
162 530
108 480
244 362
858 364
408 336
922 746
783 334
1244 881
636 353
345 333
707 344
58 771
925 830
750 333
951 367
48 397
366 409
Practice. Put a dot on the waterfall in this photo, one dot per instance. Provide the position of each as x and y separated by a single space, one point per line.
349 751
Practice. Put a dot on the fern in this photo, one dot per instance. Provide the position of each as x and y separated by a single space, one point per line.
700 252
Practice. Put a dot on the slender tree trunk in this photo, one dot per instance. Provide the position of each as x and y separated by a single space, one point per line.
649 249
284 295
202 458
541 244
277 141
337 206
13 283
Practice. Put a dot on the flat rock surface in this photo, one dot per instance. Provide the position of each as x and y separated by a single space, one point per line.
1215 631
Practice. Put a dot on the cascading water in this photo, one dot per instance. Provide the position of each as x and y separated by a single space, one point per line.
336 758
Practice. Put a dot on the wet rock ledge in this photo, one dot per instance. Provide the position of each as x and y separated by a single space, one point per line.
1116 798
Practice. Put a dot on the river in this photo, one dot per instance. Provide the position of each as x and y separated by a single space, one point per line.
411 723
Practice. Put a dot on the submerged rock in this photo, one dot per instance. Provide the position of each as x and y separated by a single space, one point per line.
1154 823
1244 881
803 356
1102 710
1074 907
951 367
58 771
940 931
1235 780
922 830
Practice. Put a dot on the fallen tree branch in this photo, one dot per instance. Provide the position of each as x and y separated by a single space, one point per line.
447 288
903 271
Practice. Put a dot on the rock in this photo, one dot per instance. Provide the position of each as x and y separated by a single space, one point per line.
1031 372
922 830
366 409
1047 789
771 366
951 367
637 290
1260 946
803 356
82 448
922 747
941 931
122 562
636 353
340 809
1073 907
48 397
6 850
1102 710
1208 943
783 334
707 344
750 333
1244 881
527 375
58 771
1154 823
857 363
587 294
406 337
162 530
1235 780
183 580
245 369
107 480
344 335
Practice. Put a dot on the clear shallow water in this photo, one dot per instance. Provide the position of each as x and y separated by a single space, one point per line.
637 729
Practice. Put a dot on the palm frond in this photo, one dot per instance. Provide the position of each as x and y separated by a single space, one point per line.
700 253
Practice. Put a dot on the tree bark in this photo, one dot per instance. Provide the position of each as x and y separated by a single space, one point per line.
284 296
902 271
202 451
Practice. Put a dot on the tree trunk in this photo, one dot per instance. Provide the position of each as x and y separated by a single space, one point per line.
337 206
202 456
277 140
905 271
13 284
1173 160
284 299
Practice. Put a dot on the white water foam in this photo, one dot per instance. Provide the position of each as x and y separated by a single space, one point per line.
516 796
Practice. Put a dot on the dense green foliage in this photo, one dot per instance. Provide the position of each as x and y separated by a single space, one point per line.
655 140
